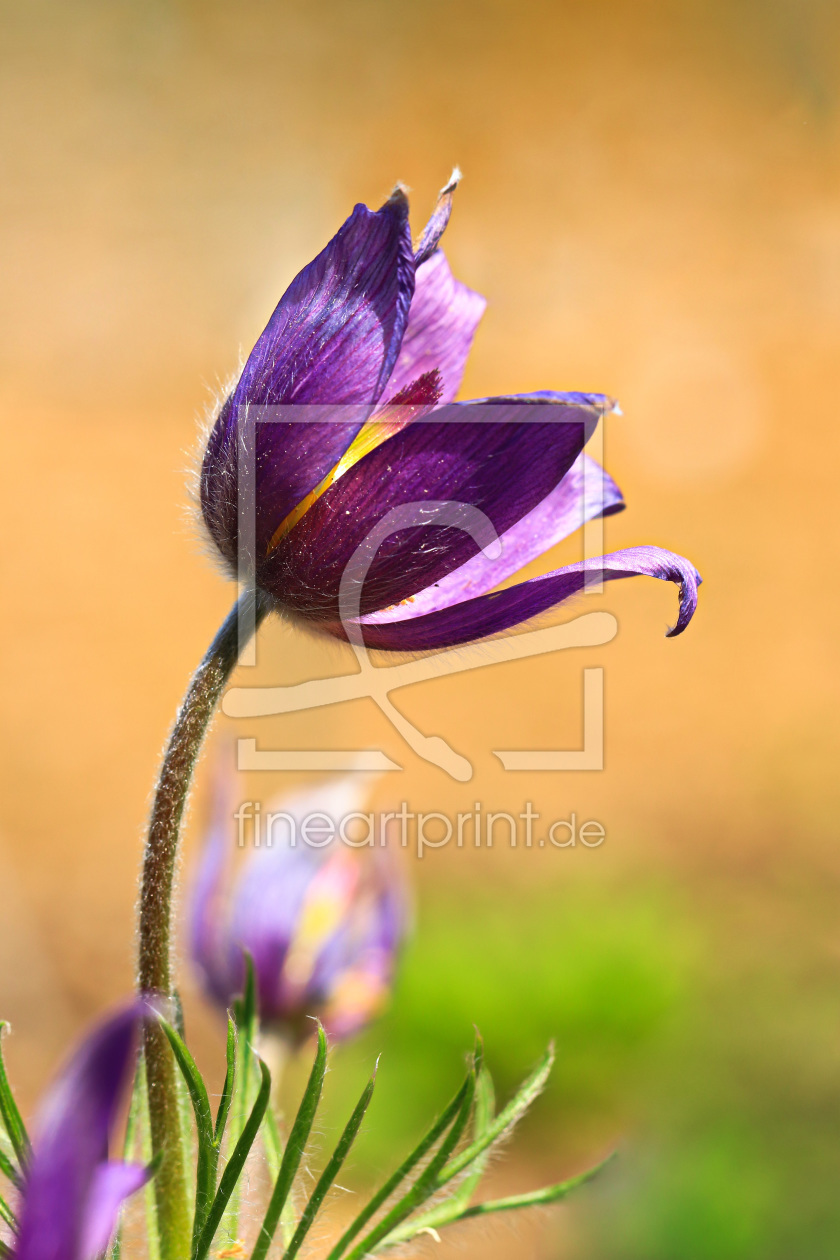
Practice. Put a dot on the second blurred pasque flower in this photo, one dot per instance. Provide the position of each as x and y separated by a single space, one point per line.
323 925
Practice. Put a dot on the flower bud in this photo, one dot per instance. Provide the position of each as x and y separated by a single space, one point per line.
321 919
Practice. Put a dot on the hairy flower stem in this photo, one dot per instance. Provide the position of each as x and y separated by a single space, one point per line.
154 944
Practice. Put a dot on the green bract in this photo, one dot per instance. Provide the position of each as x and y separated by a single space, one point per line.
433 1187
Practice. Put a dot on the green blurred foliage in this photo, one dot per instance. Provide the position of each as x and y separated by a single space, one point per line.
735 1154
576 965
716 1076
598 970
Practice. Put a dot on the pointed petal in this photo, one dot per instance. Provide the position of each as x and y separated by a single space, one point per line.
71 1141
584 493
491 614
442 321
112 1184
333 339
336 332
494 463
435 228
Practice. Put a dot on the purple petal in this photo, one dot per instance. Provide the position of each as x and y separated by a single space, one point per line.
491 614
442 322
435 228
584 493
290 451
112 1183
71 1142
336 332
333 339
500 464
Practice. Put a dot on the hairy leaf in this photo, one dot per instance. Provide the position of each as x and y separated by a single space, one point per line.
427 1183
6 1213
208 1152
295 1147
9 1113
230 1177
527 1093
227 1088
8 1169
331 1171
426 1143
536 1198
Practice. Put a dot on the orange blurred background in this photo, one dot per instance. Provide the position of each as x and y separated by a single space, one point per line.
651 207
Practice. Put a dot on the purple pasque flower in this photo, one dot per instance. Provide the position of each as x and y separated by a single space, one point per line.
72 1193
322 921
362 359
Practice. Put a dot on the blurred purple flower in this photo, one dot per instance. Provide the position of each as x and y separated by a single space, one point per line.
385 331
72 1194
323 925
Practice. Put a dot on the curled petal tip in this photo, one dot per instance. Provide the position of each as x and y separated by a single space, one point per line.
496 611
691 580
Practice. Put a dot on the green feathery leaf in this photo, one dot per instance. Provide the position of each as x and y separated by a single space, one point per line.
331 1171
273 1144
429 1139
245 1007
208 1152
230 1177
6 1214
227 1088
9 1113
8 1169
452 1208
483 1114
295 1147
428 1181
245 1016
528 1092
536 1198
